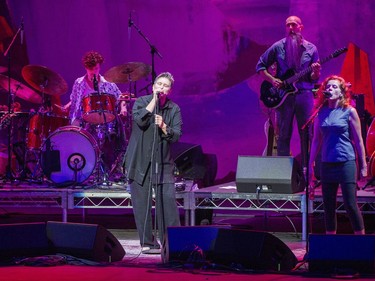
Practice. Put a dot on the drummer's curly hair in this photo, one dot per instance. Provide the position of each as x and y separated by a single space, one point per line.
92 58
167 75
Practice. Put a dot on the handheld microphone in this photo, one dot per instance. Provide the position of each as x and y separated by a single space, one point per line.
22 31
95 82
327 94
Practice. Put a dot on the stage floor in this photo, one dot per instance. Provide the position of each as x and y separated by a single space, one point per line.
219 202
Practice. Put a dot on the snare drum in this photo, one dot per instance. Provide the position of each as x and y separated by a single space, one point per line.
41 125
69 154
99 108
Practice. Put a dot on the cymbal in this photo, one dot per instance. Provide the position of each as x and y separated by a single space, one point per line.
128 72
20 90
45 80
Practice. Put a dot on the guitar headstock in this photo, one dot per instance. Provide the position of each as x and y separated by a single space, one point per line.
339 52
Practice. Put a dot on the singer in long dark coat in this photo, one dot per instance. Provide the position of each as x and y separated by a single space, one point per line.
149 164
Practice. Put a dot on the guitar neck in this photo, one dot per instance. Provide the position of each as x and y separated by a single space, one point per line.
302 73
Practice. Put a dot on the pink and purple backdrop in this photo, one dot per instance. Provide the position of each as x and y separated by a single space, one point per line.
211 47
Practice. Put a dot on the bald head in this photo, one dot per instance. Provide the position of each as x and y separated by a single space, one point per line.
294 26
294 20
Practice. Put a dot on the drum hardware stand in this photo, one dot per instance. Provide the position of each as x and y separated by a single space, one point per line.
115 165
100 163
9 175
146 88
101 166
121 148
36 173
21 152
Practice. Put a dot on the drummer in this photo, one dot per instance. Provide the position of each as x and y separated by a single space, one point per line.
86 87
91 82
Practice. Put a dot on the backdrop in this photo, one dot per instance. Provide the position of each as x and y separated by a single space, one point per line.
210 46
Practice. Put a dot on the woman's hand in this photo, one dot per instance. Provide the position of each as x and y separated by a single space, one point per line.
159 121
311 186
364 171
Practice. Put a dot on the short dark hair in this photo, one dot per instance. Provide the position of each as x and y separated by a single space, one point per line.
167 75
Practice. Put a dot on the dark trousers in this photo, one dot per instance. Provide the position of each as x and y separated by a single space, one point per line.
299 106
341 174
166 210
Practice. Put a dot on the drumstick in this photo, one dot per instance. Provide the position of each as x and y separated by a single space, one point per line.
62 107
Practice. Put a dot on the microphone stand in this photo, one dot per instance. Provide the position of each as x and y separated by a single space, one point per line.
153 49
306 128
8 174
155 169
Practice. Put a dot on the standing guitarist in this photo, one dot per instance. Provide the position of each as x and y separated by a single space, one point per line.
292 54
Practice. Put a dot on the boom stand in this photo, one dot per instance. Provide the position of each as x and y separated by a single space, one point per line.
153 49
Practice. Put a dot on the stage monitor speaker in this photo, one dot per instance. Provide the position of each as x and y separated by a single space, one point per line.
190 243
341 253
23 240
271 174
252 250
189 160
87 241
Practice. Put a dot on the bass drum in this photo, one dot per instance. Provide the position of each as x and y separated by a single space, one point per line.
69 155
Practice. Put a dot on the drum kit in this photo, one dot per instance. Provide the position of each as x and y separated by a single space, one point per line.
48 148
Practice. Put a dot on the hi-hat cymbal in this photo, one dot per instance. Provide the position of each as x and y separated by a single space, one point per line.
20 90
45 80
128 72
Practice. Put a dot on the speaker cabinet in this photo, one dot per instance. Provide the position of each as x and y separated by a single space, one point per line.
189 160
88 241
252 250
225 246
341 253
271 174
23 240
190 243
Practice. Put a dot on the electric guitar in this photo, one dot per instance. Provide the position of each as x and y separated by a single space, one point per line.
273 97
